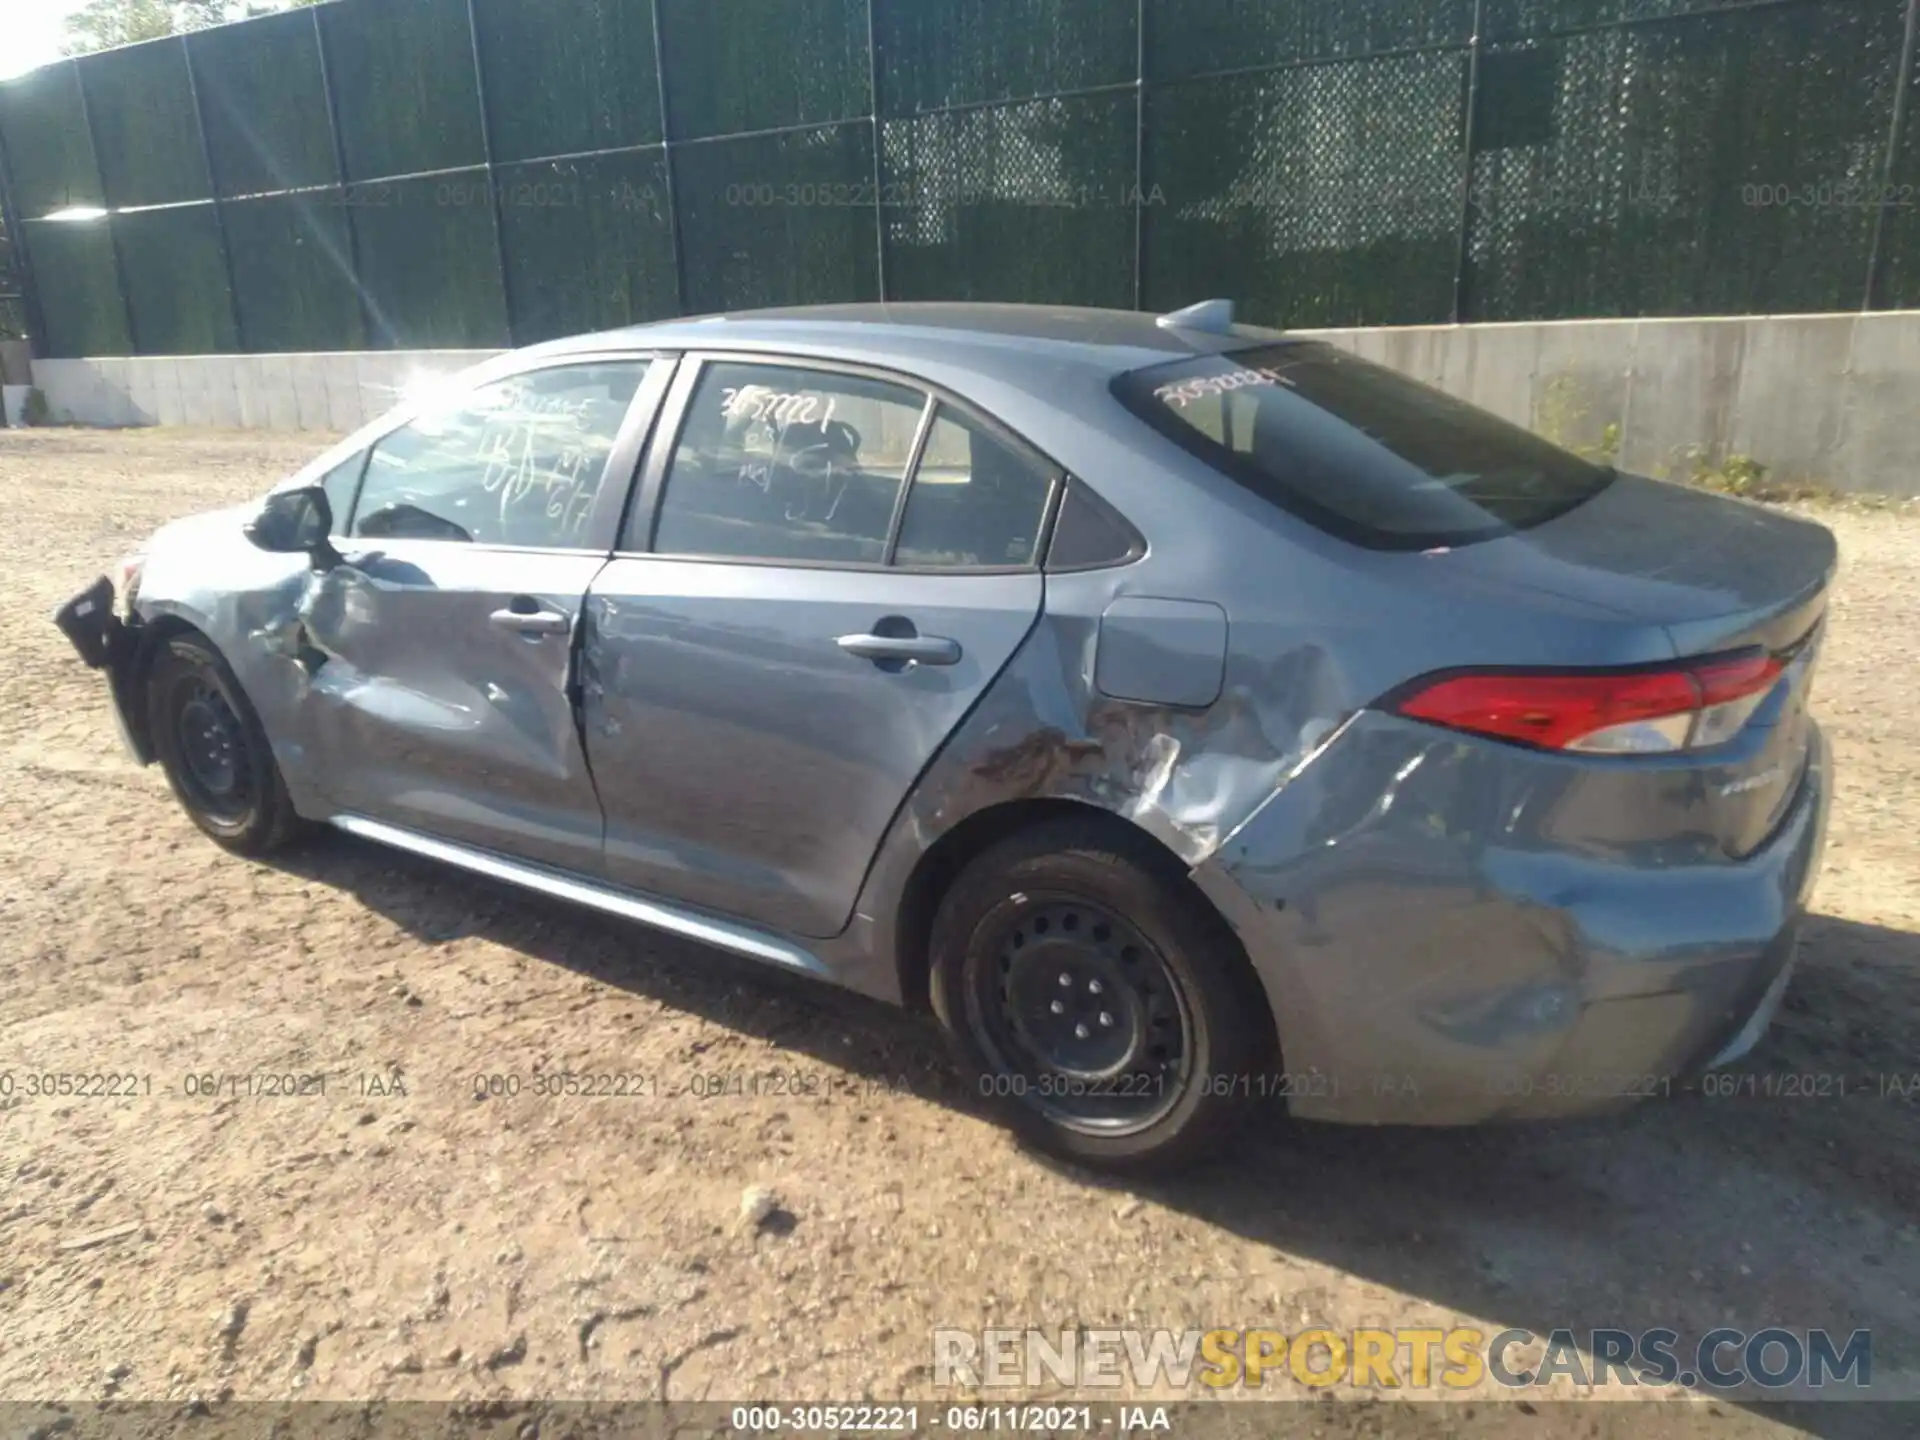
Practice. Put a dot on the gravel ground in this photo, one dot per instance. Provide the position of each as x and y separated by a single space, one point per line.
397 1236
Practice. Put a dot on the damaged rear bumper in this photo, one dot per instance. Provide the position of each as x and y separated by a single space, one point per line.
106 642
1428 971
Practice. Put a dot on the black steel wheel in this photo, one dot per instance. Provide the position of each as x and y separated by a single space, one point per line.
210 743
1095 998
211 740
1080 1011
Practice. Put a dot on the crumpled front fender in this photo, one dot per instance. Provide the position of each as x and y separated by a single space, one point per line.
252 606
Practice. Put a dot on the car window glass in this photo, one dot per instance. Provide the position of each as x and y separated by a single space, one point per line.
976 500
778 462
517 462
1226 419
1357 449
1089 533
340 483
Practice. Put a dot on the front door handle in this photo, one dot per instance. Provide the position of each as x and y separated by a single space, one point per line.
921 649
533 622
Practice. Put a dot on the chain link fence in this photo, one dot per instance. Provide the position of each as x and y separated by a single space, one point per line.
446 173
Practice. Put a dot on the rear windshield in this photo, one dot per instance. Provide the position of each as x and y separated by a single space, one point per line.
1357 449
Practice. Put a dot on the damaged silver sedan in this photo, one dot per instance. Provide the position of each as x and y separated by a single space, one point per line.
1195 717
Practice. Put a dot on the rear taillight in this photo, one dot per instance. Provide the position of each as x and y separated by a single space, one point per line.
1609 712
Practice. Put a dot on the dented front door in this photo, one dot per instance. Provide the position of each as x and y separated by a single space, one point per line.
444 702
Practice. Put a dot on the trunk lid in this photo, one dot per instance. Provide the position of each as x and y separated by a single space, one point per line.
1717 575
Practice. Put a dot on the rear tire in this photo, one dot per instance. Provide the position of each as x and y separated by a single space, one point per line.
1095 999
215 753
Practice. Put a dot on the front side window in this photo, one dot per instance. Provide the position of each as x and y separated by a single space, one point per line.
517 462
783 462
976 499
1359 450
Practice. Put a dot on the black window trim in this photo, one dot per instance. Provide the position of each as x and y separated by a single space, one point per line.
616 478
672 418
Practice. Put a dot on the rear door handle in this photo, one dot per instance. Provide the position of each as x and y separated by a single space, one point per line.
533 622
922 649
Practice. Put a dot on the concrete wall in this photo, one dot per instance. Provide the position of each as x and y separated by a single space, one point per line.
1832 400
252 392
1827 399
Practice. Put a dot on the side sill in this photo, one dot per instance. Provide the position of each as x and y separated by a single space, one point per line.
656 914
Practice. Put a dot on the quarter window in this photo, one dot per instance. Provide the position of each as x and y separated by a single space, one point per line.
778 462
517 462
976 500
1090 534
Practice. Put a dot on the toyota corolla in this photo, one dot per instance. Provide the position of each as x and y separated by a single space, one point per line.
1197 718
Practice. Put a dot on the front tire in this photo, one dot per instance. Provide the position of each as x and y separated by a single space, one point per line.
1095 999
215 753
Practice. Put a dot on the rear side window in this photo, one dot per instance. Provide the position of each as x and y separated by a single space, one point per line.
975 500
1357 449
778 462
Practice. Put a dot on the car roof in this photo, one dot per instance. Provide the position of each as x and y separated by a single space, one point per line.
915 333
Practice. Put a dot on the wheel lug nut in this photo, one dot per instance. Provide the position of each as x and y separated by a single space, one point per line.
1080 1031
1093 987
1065 979
1106 1019
1057 1008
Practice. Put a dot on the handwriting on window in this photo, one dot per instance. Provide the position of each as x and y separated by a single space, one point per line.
543 450
1183 393
794 429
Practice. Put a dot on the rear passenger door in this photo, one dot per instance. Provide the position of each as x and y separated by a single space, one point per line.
824 571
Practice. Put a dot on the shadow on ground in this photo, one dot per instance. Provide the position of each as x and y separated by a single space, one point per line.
1789 1202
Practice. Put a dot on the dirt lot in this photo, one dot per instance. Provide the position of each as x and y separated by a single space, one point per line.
397 1236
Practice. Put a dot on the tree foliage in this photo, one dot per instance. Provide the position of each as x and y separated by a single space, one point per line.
102 24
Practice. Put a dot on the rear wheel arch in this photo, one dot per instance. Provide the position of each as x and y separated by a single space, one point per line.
981 831
1155 995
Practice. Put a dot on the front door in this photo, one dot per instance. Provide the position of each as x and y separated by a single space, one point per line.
445 701
834 571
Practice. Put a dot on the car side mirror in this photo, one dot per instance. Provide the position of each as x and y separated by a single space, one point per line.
296 522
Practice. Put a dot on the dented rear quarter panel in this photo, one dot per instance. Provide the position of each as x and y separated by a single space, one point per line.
1454 930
